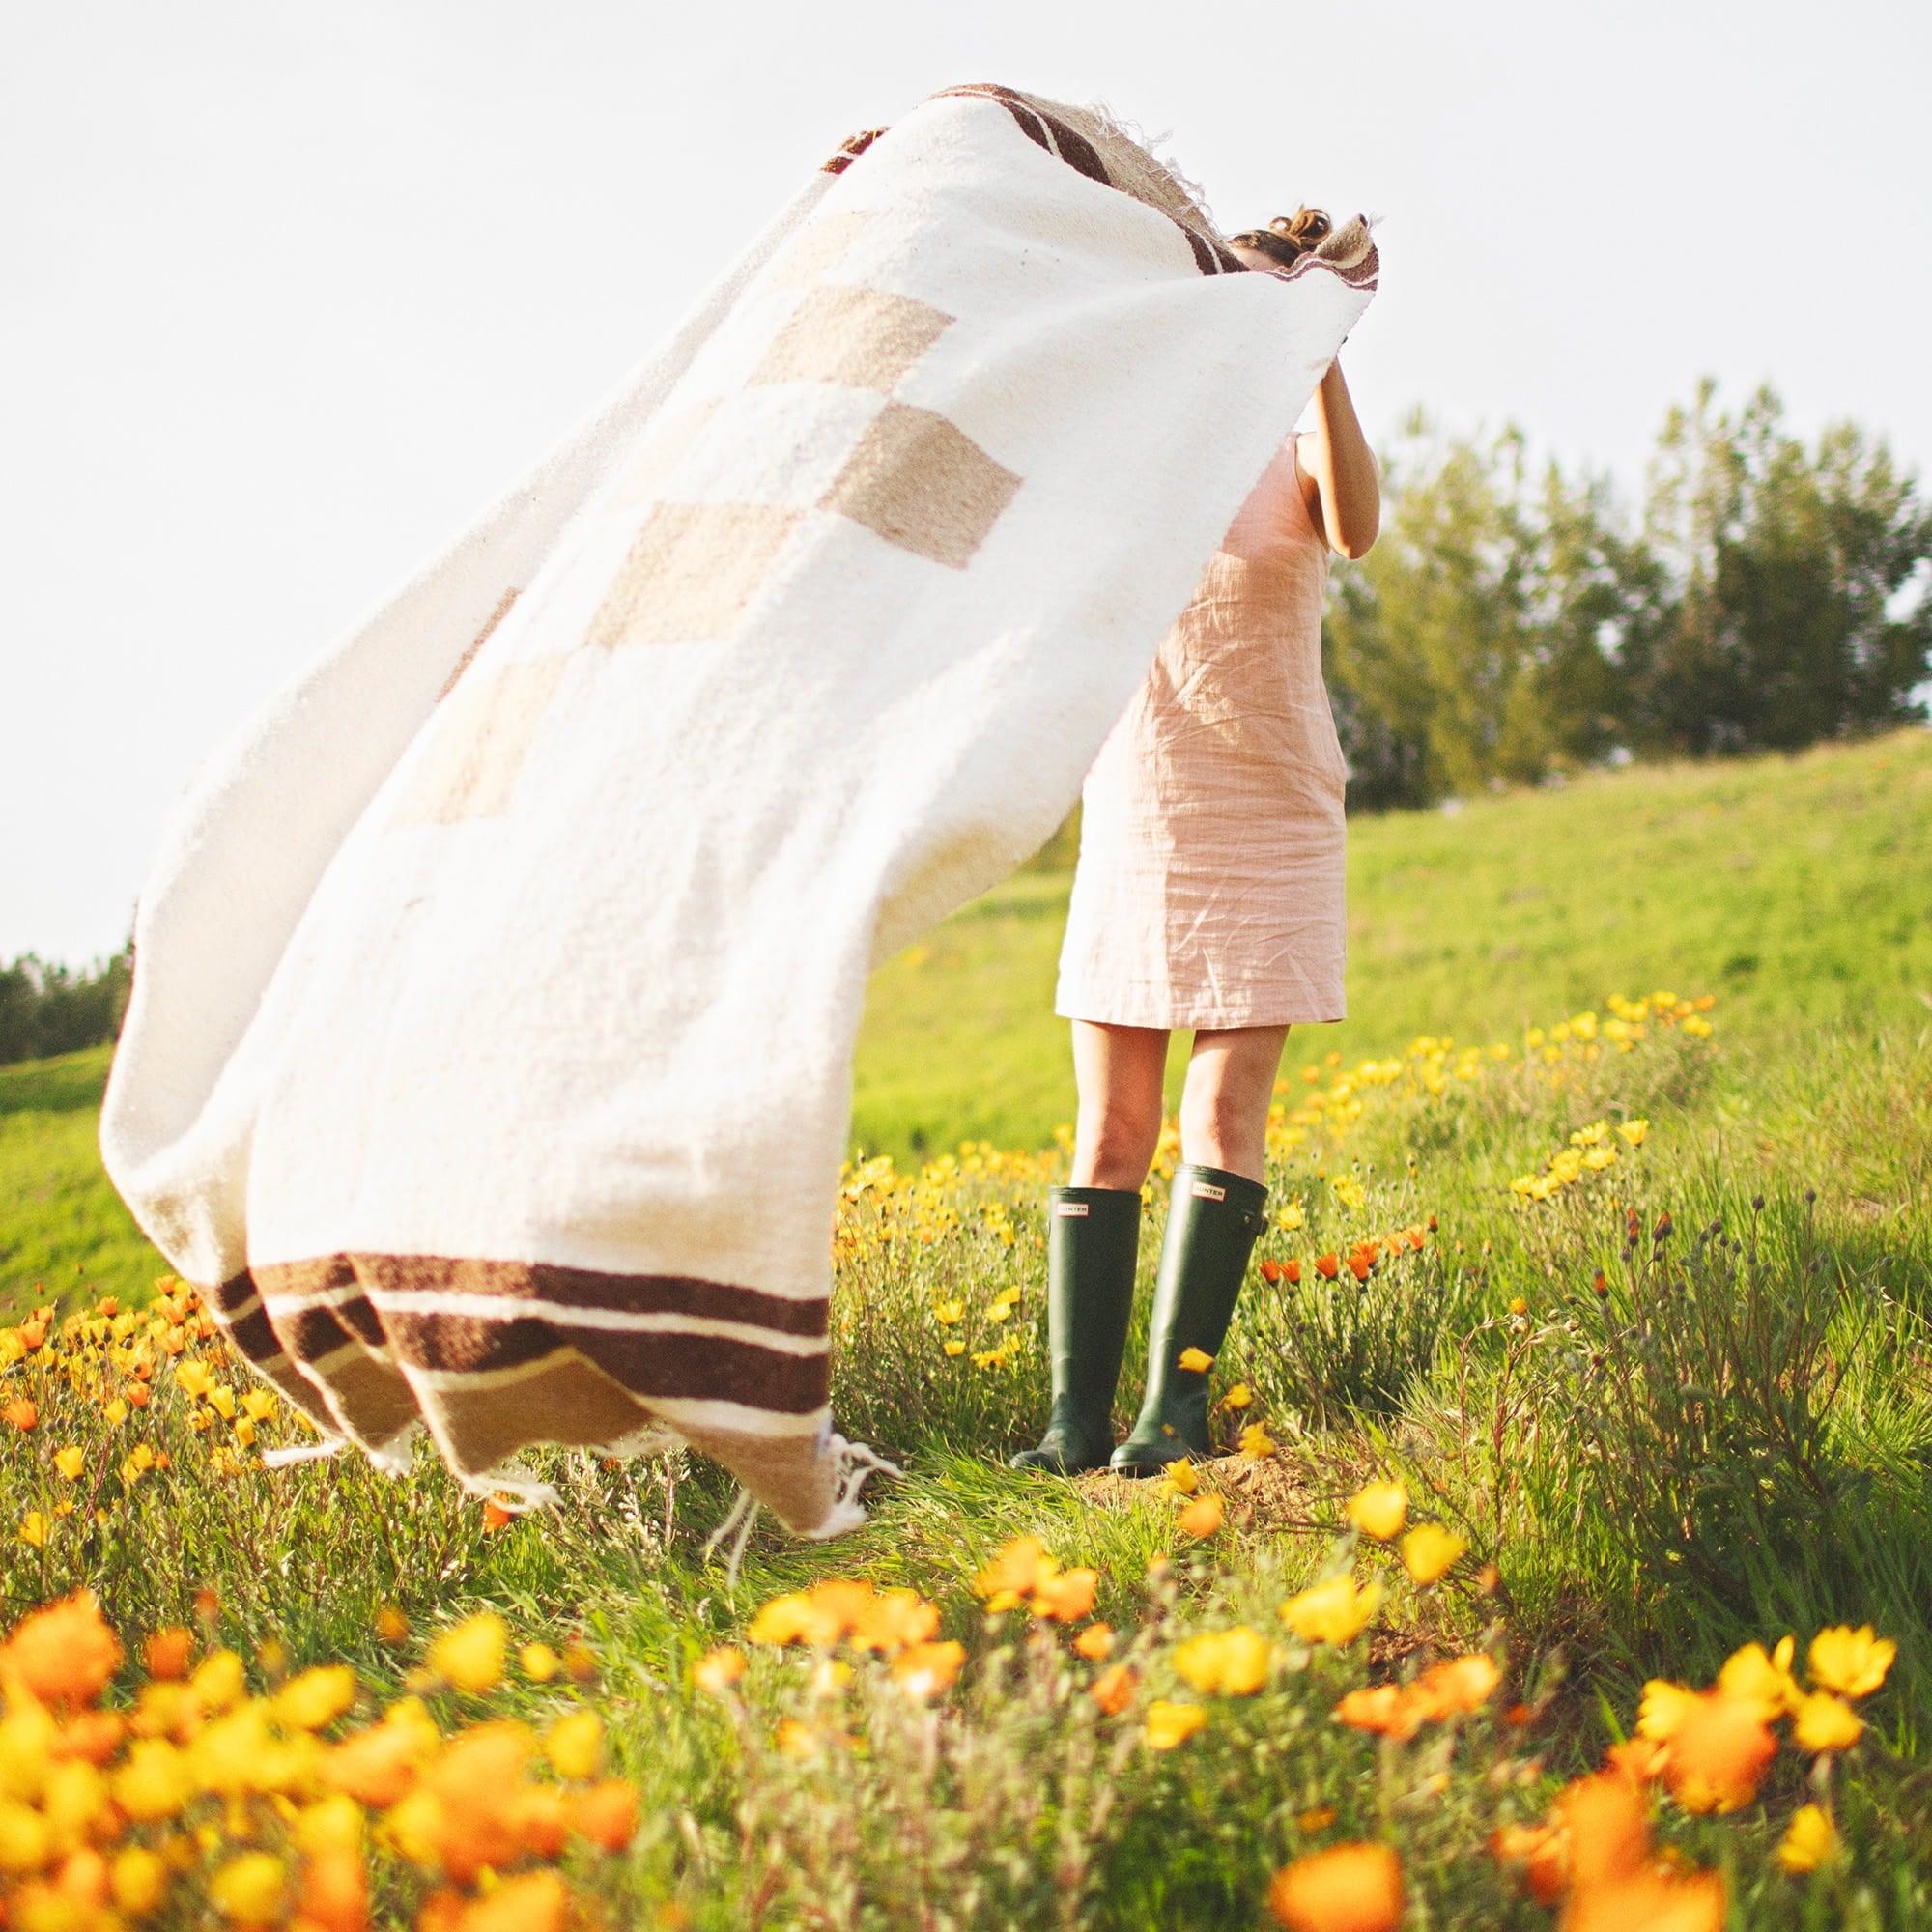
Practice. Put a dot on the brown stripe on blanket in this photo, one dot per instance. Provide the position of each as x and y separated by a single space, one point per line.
849 150
1058 136
686 1367
1362 273
546 1281
485 1423
254 1336
376 1402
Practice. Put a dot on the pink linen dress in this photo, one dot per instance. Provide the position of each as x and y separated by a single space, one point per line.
1209 887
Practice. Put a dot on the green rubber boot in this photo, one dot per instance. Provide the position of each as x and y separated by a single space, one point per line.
1214 1219
1093 1241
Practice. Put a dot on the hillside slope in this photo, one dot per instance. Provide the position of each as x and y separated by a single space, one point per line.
1799 889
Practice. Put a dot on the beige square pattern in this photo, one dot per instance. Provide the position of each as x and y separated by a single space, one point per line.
863 338
690 572
819 246
480 735
917 479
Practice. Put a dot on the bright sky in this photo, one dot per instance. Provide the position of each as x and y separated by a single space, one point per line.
292 291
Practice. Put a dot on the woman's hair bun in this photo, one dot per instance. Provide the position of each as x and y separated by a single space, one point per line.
1287 237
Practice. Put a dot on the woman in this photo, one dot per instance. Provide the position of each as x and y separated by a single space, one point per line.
1208 895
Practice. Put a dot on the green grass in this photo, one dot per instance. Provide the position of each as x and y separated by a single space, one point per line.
1732 1441
1798 888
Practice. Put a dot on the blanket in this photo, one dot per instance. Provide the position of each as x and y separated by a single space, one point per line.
495 986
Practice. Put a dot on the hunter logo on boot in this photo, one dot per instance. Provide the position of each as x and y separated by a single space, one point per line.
1069 1206
1206 1190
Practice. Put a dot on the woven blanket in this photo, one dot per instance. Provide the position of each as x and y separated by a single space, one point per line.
496 987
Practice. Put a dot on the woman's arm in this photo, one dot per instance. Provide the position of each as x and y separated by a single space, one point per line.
1345 499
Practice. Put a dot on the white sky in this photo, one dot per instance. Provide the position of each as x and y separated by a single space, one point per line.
292 290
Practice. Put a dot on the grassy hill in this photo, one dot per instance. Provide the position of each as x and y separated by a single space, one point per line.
1677 1403
1798 889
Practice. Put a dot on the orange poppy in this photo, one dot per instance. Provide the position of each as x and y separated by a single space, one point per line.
63 1653
1346 1888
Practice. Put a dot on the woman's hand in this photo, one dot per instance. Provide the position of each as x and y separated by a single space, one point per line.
1345 495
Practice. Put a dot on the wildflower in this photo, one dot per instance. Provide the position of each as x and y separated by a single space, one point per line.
154 1781
471 1654
539 1663
1608 1831
1809 1840
1198 1360
1823 1722
1226 1664
316 1697
891 1620
1380 1510
1663 1708
137 1880
1429 1551
1457 1683
923 1668
1518 1305
1290 1217
1682 1901
392 1626
1094 1642
1318 1819
1113 1689
250 1889
1850 1661
1718 1750
34 1530
378 1767
1181 1479
1334 1612
23 1414
1352 1887
534 1901
1637 1760
719 1668
71 1461
820 1615
217 1681
1327 1265
63 1653
1067 1596
955 1348
1763 1678
575 1745
1256 1442
607 1814
948 1313
1633 1131
1377 1706
1202 1516
1237 1396
495 1516
1169 1726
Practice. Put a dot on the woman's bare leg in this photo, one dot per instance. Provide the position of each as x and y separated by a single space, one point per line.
1119 1071
1224 1106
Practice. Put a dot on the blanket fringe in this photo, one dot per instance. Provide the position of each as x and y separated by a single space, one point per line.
512 1489
857 1461
295 1453
736 1523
